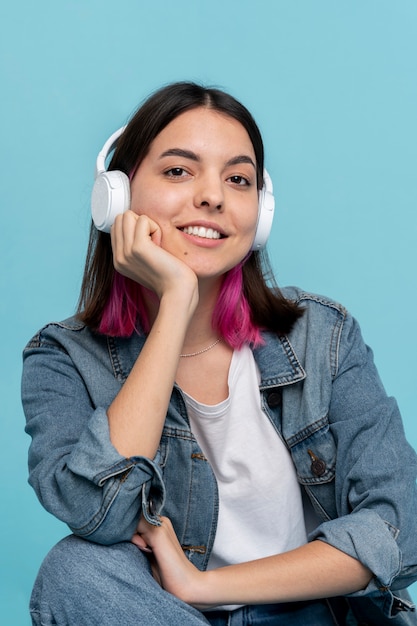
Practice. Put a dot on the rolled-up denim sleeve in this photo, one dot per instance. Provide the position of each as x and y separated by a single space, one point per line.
74 469
376 470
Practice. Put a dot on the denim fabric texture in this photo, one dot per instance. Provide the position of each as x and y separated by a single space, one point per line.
286 614
321 391
87 584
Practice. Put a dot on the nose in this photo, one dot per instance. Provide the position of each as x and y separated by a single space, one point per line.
209 193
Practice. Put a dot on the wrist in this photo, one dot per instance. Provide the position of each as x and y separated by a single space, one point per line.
180 301
205 594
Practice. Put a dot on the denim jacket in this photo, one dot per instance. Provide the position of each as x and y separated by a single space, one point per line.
321 391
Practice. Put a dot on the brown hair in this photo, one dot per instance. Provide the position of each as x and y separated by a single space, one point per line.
269 309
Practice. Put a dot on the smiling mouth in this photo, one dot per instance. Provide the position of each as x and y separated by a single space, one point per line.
201 231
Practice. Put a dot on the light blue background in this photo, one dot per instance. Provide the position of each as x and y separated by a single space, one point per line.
333 86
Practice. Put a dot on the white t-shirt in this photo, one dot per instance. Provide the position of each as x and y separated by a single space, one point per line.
260 503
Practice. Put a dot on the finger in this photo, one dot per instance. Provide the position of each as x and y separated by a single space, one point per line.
123 238
129 221
146 229
155 232
143 526
152 535
141 543
119 238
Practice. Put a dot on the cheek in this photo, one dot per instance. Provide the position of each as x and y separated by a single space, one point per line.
249 224
153 203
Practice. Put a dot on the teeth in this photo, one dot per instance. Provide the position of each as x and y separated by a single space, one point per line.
201 231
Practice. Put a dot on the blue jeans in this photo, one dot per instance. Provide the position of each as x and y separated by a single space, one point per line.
86 584
288 614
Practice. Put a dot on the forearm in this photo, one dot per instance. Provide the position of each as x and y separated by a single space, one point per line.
315 570
137 414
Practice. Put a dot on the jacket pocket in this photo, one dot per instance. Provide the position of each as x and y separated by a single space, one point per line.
313 452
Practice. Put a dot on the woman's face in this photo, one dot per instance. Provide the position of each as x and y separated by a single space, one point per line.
198 182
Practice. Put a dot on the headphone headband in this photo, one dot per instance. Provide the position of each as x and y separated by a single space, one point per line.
105 151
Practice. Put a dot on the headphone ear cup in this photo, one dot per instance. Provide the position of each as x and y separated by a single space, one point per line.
266 208
110 197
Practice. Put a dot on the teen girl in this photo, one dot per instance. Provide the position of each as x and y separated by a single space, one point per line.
222 451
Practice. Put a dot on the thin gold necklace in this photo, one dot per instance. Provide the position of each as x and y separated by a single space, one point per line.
203 350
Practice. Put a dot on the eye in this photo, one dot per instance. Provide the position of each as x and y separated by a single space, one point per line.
240 180
176 172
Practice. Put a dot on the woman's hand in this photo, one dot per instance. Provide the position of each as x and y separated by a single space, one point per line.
170 566
137 254
138 412
314 570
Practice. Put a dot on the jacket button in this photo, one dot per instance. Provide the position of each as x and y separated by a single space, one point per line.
318 466
274 399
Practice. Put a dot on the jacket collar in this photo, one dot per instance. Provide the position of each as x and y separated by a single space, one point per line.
277 361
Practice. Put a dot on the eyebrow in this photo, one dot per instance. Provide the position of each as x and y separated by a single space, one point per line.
188 154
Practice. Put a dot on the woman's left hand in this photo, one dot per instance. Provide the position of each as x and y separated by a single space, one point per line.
170 566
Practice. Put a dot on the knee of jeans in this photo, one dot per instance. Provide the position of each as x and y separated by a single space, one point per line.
74 562
81 583
77 573
68 559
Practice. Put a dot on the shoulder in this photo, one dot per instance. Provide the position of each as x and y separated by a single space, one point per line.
326 329
319 312
59 333
313 302
323 327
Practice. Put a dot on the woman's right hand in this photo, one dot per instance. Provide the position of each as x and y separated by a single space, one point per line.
137 254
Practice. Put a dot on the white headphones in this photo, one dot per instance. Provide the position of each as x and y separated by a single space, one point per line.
111 196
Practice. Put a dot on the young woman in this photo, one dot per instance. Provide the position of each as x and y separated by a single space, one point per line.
222 451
